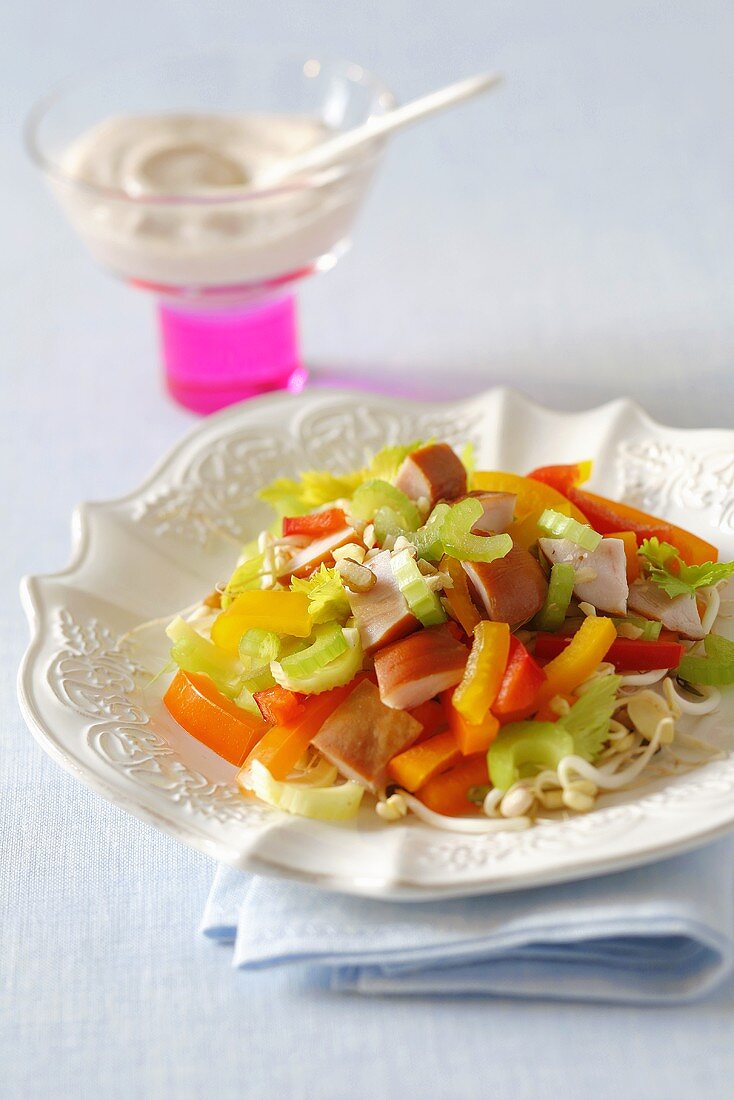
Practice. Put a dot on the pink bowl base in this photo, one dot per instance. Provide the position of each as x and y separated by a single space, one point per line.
214 358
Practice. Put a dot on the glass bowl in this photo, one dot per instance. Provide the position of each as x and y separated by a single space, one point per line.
222 259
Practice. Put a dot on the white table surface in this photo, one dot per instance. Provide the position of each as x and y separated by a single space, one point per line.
572 236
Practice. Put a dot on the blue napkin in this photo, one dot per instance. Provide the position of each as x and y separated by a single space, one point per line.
658 934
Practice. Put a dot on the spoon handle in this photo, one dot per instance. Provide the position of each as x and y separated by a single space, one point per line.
336 147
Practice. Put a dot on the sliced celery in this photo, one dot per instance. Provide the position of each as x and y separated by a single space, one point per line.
246 701
526 744
716 669
261 645
460 543
316 674
192 653
334 803
427 539
376 494
258 680
424 603
552 614
559 526
329 644
650 629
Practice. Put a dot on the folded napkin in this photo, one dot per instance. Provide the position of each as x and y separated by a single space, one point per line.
661 933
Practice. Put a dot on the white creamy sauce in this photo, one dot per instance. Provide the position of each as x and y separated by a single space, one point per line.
140 170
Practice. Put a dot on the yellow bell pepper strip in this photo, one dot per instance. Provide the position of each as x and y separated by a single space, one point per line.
584 653
447 793
471 737
533 497
281 612
460 602
484 671
414 767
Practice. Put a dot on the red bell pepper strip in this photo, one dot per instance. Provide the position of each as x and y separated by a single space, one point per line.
626 654
610 516
278 705
517 697
563 478
315 524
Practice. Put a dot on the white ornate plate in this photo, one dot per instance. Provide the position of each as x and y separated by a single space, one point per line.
87 696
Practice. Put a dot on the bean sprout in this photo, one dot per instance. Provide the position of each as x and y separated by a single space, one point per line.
713 603
603 779
642 679
464 824
711 700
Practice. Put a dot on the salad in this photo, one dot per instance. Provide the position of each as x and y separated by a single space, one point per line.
473 647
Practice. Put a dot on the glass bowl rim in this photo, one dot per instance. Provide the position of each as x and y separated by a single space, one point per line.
354 71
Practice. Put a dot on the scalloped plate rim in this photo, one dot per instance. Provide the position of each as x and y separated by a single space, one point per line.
377 886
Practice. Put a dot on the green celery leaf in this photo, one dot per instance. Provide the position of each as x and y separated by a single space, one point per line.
672 574
589 717
327 598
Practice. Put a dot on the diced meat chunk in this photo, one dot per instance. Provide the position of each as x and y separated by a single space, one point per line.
317 552
381 613
509 590
499 510
434 472
601 574
419 667
679 614
362 735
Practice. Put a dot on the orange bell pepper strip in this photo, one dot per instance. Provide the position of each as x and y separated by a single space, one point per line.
282 746
194 702
584 653
484 671
629 538
470 737
278 705
414 767
458 598
431 716
606 516
533 497
283 612
446 794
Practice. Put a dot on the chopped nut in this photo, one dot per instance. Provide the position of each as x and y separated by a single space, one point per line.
353 551
355 576
587 608
401 543
368 536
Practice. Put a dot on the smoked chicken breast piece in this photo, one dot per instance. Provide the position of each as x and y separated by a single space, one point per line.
419 667
363 735
433 472
601 574
381 614
679 614
510 589
320 550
